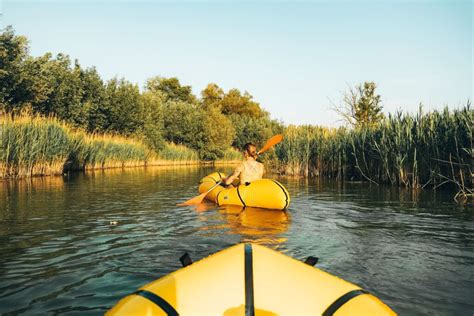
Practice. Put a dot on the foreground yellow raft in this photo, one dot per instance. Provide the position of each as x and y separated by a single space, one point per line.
249 279
264 193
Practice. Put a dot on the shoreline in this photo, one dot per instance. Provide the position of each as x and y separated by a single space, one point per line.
459 198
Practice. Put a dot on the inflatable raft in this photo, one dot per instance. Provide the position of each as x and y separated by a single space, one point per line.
249 279
264 193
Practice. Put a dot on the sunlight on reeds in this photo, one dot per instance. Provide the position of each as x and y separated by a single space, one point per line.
175 152
33 145
232 154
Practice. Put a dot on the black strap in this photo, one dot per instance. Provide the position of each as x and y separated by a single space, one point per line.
185 260
241 200
217 197
342 300
284 191
311 260
160 302
249 299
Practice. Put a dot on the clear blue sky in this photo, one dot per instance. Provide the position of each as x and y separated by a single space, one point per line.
292 57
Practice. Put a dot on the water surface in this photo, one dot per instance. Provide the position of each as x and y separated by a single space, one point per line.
62 253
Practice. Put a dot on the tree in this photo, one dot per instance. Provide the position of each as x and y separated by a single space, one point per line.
153 122
15 91
361 106
207 131
63 87
124 110
218 136
182 124
212 96
250 121
171 89
256 130
93 99
234 102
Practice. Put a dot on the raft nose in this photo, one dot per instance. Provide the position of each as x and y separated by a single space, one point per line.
249 279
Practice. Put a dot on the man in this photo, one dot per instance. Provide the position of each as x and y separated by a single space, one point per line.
249 170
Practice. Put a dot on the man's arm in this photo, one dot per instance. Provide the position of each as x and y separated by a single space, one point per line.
234 176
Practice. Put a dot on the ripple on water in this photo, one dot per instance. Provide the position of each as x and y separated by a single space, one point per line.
59 253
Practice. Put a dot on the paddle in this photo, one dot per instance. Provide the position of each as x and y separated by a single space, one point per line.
270 143
198 199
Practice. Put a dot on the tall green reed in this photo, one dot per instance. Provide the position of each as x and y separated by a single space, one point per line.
33 145
407 150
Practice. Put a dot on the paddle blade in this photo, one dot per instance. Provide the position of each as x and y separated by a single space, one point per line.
195 200
271 142
198 199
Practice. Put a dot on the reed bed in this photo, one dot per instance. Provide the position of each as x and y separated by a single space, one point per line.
177 153
30 146
407 150
33 145
232 154
106 151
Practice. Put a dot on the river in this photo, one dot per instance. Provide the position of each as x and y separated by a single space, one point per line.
61 251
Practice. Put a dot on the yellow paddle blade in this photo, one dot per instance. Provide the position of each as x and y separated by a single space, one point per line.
271 142
198 199
195 200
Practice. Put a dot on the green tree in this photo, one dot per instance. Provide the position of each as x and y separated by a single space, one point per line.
15 89
153 123
34 72
182 123
124 110
94 99
212 96
171 89
361 106
218 136
234 102
257 130
207 131
62 83
250 121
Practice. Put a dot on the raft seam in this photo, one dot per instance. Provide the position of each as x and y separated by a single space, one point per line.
343 300
159 301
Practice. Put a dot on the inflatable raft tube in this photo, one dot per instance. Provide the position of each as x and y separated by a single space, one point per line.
248 279
264 193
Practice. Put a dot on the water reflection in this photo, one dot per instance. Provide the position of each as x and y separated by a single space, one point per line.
256 225
247 224
16 194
